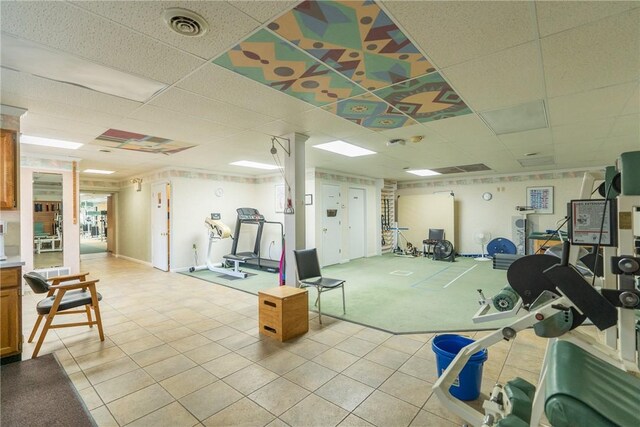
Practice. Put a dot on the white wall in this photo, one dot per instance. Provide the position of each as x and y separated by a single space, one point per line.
133 222
473 214
420 212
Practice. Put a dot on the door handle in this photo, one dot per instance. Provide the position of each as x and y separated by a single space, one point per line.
324 229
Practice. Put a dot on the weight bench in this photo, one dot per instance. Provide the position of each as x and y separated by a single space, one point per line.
584 390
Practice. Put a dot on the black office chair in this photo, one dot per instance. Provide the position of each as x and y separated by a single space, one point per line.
435 235
61 297
309 275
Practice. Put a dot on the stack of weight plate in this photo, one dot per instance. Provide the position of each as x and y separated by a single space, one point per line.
503 261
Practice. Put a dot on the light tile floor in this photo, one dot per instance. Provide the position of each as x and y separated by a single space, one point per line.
184 352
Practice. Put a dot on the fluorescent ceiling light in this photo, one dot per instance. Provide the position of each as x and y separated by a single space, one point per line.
98 171
48 142
344 148
520 118
28 57
256 165
424 172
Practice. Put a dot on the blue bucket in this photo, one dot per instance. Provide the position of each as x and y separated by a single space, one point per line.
467 385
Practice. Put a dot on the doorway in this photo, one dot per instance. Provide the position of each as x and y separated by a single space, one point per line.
95 225
356 223
160 225
331 225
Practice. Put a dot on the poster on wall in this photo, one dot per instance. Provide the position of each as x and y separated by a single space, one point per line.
540 199
279 194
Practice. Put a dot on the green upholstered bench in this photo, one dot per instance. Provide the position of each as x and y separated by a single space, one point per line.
582 390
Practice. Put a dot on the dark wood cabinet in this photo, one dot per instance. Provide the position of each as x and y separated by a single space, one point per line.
10 314
8 170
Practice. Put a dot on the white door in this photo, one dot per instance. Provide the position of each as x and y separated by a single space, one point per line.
331 224
160 226
356 223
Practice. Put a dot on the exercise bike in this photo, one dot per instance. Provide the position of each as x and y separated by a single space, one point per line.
218 231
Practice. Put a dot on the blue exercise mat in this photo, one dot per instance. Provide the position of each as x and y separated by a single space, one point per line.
501 245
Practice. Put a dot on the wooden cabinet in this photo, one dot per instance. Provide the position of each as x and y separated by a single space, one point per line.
283 312
8 170
10 314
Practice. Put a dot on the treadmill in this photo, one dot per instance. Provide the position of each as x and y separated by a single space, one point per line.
253 259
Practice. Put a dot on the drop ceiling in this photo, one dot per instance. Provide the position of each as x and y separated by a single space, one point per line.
580 59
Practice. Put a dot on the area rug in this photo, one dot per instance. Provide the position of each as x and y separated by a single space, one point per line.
38 392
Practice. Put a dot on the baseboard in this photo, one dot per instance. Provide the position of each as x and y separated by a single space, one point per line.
136 260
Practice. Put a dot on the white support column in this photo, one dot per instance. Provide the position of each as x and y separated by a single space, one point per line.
294 224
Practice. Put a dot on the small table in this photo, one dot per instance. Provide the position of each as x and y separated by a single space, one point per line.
283 312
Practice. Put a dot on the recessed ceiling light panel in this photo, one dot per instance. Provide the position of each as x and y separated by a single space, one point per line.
520 118
344 148
32 58
424 172
98 171
48 142
255 165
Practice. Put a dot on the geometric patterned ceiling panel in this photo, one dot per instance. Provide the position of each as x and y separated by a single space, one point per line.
425 98
371 112
266 58
357 39
123 140
349 58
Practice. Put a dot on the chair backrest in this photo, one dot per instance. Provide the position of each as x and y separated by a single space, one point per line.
436 234
37 282
307 263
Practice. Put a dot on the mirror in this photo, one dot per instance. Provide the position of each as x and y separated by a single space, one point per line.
47 220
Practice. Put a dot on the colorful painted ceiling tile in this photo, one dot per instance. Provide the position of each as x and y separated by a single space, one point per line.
425 98
121 139
356 38
371 112
266 58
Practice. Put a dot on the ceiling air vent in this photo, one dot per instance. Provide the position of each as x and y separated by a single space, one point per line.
536 161
478 167
185 22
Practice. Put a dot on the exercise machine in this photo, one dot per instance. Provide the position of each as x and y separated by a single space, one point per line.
217 231
254 258
583 380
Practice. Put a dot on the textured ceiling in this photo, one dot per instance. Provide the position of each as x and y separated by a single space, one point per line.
434 67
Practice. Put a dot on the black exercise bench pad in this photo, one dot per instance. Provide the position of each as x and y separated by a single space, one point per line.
582 390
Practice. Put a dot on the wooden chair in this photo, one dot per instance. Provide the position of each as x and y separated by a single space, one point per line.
61 297
309 275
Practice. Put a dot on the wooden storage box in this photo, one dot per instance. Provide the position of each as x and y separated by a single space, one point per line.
283 312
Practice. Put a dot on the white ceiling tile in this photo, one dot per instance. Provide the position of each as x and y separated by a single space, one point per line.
454 32
220 112
34 129
555 16
37 88
591 105
226 86
520 151
227 24
627 125
599 54
528 140
460 129
481 145
63 26
277 128
264 11
32 120
577 133
183 124
322 121
633 104
496 80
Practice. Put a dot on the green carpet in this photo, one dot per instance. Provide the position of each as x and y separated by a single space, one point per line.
90 247
396 294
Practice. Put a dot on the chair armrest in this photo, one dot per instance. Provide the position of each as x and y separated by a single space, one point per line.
59 279
71 286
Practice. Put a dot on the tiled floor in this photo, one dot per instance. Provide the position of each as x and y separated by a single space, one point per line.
183 352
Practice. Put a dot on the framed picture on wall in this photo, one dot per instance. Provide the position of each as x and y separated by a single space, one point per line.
279 197
540 199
